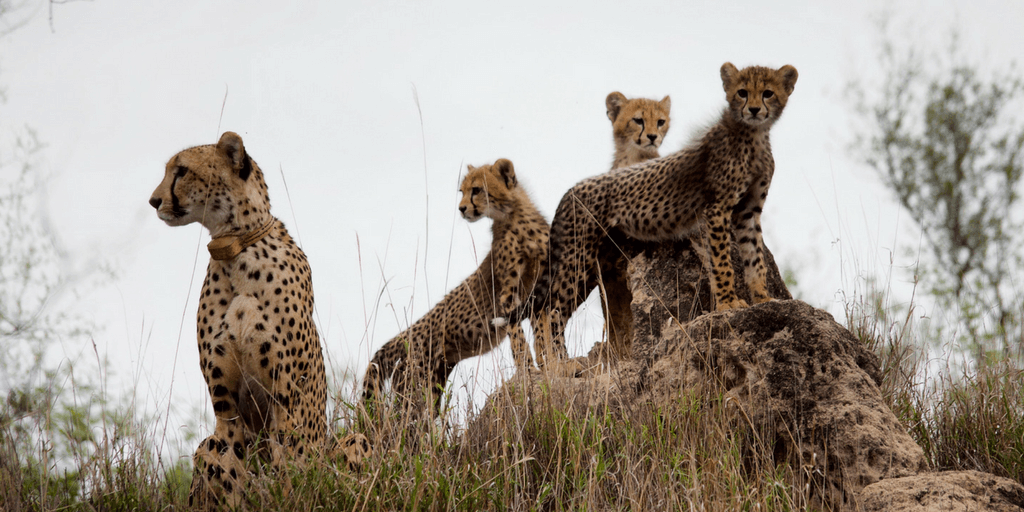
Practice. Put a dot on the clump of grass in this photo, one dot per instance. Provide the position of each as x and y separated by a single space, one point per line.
965 418
977 422
52 461
691 452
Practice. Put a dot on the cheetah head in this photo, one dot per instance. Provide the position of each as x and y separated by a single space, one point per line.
217 185
638 122
487 191
757 94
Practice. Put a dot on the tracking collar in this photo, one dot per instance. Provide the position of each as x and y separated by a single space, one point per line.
228 246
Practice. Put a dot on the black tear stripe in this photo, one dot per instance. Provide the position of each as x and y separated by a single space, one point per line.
246 167
175 205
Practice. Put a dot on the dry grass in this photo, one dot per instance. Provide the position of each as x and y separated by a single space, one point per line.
533 452
964 418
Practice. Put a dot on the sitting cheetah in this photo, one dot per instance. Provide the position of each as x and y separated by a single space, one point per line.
259 349
469 320
715 186
639 126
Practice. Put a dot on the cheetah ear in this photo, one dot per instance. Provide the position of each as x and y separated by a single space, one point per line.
230 145
614 102
507 172
666 103
788 75
729 73
469 169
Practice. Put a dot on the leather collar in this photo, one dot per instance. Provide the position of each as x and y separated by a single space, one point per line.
228 246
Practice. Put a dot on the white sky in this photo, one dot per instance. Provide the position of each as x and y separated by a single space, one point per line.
325 92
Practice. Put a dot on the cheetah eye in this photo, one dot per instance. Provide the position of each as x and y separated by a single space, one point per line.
661 122
767 94
180 171
742 93
475 191
638 120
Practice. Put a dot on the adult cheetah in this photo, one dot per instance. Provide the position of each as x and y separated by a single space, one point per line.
259 349
715 186
469 321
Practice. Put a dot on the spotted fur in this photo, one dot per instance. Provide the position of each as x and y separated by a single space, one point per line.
716 186
259 349
470 320
639 126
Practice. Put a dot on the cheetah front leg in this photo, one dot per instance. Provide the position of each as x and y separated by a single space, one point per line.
510 271
264 389
510 297
751 246
719 245
219 474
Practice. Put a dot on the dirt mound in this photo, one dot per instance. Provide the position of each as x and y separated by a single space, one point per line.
970 491
803 379
799 385
799 382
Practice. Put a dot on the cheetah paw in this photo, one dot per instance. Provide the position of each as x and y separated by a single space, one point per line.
354 448
735 304
509 302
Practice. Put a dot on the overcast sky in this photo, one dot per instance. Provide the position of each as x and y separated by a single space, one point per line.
325 98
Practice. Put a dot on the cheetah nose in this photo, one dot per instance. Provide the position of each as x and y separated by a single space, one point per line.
754 110
462 209
653 137
155 202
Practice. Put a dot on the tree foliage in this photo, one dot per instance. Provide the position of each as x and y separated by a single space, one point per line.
45 403
60 439
55 426
944 139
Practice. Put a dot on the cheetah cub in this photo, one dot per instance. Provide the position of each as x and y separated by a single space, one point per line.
717 186
639 126
259 350
470 321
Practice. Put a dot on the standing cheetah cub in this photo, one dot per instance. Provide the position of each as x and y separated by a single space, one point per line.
639 126
469 321
259 350
717 185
